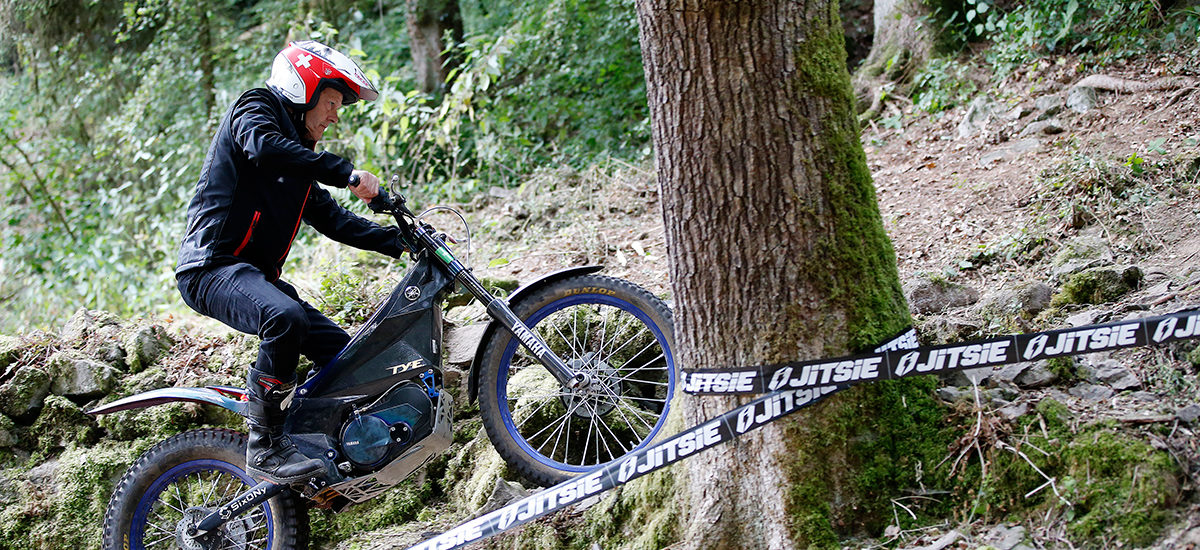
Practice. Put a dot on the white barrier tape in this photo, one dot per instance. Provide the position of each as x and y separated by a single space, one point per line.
798 388
891 364
639 463
726 427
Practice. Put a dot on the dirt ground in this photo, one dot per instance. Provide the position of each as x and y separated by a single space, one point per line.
944 199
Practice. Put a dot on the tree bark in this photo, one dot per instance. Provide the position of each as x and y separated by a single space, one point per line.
428 22
208 54
777 248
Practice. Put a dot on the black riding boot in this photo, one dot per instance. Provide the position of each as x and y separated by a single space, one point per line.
270 454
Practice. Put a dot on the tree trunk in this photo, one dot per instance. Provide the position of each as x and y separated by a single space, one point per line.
207 53
428 22
776 243
901 46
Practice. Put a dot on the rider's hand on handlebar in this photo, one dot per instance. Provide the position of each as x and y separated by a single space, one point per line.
367 187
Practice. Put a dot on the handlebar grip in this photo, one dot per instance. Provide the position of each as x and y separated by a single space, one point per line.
382 202
353 181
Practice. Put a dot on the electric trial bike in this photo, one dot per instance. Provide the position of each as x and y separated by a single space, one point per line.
574 371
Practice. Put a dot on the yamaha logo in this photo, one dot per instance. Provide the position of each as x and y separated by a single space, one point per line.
412 293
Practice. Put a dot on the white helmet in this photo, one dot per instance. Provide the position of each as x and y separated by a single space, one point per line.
303 69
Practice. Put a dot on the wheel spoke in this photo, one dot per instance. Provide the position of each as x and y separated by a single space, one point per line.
603 331
160 541
647 399
546 427
159 527
617 407
212 490
607 448
633 338
557 328
566 429
532 414
638 413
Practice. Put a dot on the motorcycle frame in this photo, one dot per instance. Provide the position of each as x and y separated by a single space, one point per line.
436 270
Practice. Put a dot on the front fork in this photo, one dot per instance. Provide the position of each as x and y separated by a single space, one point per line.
500 311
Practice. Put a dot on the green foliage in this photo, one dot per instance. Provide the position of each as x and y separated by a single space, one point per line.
1110 487
943 83
1022 31
111 106
532 89
348 296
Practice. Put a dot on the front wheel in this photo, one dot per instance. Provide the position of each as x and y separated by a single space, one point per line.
615 331
180 481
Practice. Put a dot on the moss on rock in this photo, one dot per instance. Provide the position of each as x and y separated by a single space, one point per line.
143 347
60 503
1120 487
61 424
1097 286
23 396
8 432
74 375
157 422
10 351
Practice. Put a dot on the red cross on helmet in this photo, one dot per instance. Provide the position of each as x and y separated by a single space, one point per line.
303 69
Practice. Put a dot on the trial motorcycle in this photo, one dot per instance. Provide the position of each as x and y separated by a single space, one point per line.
573 371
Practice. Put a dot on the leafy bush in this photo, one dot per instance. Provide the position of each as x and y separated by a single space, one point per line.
1022 31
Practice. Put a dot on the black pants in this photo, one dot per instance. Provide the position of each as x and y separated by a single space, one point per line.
240 296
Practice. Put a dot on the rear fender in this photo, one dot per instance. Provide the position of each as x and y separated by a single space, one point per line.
230 398
516 296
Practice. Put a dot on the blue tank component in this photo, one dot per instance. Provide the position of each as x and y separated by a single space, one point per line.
365 440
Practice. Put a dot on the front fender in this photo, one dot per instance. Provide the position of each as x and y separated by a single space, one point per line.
233 399
473 377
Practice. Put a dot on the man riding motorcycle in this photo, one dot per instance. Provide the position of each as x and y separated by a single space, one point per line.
259 181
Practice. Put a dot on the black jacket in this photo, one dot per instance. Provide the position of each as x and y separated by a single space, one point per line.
257 184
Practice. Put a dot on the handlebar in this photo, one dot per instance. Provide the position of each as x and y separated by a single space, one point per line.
384 202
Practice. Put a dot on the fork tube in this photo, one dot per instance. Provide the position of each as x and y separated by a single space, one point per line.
500 311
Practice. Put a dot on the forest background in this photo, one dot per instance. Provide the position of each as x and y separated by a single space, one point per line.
108 107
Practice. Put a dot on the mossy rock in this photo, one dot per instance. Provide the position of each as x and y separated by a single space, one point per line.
1056 415
1098 286
8 432
85 323
24 395
62 423
144 346
399 505
63 507
76 376
10 351
158 422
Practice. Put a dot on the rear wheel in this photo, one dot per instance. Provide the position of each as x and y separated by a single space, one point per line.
615 331
180 481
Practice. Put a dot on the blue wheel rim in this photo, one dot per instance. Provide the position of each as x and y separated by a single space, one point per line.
537 317
151 495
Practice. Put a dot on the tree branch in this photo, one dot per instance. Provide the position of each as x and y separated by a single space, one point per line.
41 183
